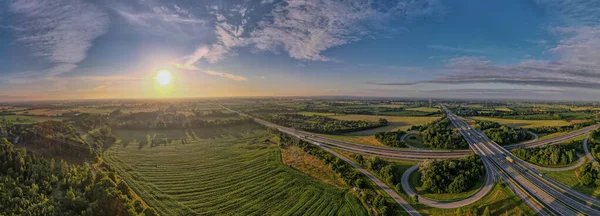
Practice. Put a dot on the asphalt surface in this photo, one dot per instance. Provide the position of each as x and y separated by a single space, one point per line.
588 154
405 143
556 139
556 198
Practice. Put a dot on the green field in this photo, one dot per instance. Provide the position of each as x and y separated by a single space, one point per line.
526 123
224 171
569 179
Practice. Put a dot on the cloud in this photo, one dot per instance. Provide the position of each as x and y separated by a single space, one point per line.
577 65
60 31
573 12
226 75
304 29
209 72
159 19
456 49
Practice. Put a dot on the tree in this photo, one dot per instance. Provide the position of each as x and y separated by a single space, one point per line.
416 198
587 179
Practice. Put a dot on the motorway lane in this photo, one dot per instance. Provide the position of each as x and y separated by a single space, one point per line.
545 190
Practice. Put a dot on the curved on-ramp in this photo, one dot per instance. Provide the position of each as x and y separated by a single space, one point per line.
588 154
484 190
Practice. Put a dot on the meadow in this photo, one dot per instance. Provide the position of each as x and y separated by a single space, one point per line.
221 171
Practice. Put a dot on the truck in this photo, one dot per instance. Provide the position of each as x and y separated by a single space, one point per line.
509 159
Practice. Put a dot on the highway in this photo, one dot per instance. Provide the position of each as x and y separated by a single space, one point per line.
404 153
555 198
384 152
556 139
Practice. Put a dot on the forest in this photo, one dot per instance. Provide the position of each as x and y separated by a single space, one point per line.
32 185
323 124
390 138
550 155
451 176
441 135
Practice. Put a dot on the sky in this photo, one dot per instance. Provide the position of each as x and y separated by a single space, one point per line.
515 49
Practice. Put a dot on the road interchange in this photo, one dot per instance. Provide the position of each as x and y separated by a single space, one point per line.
555 198
543 195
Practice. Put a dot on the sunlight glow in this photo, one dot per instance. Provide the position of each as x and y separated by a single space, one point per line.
164 77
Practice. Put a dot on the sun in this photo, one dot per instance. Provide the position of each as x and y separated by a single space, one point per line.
164 77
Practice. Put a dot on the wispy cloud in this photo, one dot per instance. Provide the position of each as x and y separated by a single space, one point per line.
161 19
304 29
61 31
456 49
226 75
576 63
209 72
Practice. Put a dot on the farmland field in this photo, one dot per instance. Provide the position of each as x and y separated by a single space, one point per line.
394 122
221 171
424 109
527 123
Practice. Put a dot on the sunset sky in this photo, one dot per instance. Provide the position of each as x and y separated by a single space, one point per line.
78 49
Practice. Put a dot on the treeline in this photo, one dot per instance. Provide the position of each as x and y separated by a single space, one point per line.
550 155
323 124
549 129
195 123
441 134
391 138
366 109
349 174
451 176
31 185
